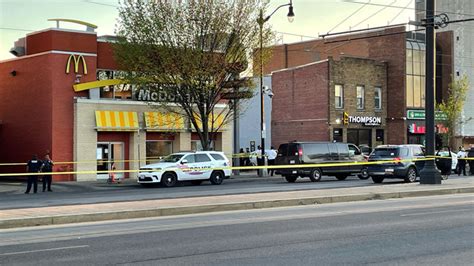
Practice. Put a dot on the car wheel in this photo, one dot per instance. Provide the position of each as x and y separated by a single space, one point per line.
315 175
196 182
411 175
364 174
217 177
169 179
291 178
377 179
341 177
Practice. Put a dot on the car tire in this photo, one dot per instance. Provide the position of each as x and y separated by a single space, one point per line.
364 174
217 177
169 179
196 182
341 177
377 179
315 175
411 175
291 178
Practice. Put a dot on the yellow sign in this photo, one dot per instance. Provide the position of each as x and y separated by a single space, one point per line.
77 60
345 119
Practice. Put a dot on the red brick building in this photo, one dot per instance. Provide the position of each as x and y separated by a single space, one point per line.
61 96
306 105
403 54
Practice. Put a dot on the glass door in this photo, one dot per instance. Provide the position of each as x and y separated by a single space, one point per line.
110 156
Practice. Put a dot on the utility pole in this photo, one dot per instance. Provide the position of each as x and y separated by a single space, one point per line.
430 174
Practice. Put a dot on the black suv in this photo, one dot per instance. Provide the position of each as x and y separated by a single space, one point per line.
402 163
297 153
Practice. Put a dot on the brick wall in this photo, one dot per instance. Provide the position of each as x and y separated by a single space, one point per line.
300 105
352 72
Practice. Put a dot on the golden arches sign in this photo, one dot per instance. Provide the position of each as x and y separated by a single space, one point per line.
77 59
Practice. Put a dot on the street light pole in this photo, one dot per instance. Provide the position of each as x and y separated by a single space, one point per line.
430 174
261 20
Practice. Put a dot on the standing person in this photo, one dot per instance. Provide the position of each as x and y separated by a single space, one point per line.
242 157
461 161
247 157
33 166
47 168
259 156
272 154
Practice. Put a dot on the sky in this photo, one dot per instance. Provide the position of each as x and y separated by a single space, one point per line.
312 17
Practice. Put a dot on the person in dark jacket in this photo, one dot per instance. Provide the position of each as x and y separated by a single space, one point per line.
47 168
33 166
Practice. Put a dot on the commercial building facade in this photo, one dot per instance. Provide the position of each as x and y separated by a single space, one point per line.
402 52
61 96
342 100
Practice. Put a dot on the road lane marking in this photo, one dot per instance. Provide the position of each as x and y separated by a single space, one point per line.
42 250
434 212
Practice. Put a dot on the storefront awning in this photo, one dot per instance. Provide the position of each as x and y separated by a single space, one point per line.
158 121
216 122
116 121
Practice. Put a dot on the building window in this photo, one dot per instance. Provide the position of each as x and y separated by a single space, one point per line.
378 98
415 74
360 97
339 96
155 149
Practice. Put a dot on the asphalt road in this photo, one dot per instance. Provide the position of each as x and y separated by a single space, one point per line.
436 230
70 193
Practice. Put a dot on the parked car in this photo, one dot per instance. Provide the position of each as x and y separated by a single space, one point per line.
397 167
186 166
298 153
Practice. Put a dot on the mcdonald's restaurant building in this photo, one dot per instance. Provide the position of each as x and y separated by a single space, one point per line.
61 96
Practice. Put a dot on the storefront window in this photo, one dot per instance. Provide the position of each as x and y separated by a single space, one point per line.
339 96
360 97
157 149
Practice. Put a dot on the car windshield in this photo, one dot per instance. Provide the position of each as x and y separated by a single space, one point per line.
172 158
385 152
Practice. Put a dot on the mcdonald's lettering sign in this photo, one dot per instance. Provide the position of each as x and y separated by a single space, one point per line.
77 59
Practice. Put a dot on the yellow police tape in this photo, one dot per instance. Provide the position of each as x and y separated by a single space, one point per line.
292 166
157 158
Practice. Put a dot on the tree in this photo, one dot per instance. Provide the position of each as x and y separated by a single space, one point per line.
193 54
453 106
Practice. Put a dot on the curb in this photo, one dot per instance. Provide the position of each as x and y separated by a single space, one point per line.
160 212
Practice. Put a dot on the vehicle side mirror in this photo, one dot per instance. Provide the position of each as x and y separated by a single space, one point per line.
184 161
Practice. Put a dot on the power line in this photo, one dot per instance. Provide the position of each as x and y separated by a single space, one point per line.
344 20
406 8
15 29
376 12
99 3
401 11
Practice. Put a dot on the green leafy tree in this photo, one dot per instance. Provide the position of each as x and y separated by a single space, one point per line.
192 54
453 106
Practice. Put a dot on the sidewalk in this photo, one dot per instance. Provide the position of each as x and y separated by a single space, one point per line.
164 207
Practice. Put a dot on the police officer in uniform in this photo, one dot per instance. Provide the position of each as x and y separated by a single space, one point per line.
47 167
33 166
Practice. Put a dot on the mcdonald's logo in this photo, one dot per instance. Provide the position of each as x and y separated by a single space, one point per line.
77 59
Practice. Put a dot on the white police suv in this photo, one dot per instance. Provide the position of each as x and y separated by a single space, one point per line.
186 166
